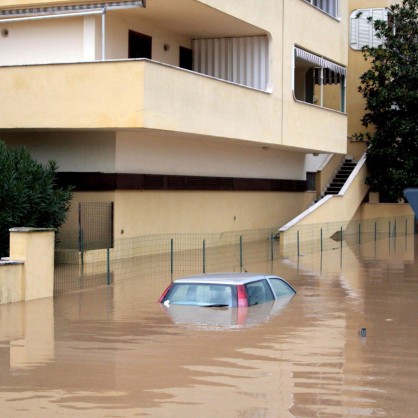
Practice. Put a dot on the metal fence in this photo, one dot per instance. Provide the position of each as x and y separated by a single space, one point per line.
166 257
316 238
163 256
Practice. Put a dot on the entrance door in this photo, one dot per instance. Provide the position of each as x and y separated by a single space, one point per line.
186 58
140 45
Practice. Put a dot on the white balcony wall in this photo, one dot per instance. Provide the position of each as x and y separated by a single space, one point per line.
78 39
243 60
43 41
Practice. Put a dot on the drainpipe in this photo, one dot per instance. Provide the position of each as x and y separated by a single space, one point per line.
103 34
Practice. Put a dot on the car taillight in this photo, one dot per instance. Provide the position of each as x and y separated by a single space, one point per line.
165 292
242 296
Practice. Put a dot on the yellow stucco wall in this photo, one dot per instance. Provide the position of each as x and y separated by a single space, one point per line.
384 210
140 213
11 286
153 212
29 272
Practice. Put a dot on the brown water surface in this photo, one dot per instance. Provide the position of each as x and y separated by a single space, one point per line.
113 352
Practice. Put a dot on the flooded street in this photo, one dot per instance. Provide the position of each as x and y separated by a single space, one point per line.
113 352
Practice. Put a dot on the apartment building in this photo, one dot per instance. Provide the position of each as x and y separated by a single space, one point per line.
185 115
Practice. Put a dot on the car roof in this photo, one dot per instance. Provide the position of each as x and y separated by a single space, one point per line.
225 278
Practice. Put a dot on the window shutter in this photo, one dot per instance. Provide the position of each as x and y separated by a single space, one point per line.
378 14
353 33
364 29
361 29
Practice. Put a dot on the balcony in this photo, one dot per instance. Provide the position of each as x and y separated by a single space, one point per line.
128 94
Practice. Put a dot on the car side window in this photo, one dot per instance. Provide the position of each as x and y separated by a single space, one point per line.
259 292
280 287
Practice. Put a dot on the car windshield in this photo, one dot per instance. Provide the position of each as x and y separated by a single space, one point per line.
201 294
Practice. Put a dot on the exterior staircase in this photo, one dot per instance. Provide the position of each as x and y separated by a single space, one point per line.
341 177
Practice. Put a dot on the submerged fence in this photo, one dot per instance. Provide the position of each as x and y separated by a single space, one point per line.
166 257
307 239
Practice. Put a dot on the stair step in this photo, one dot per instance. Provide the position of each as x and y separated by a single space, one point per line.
341 177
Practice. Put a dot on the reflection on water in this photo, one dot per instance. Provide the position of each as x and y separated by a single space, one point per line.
212 318
113 352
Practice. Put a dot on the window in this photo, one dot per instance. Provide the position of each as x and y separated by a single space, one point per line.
327 6
186 58
201 294
319 81
259 292
281 288
310 181
362 32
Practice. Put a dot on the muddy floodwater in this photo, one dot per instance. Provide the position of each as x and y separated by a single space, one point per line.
113 352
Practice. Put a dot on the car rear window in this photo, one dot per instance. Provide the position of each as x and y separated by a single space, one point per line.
281 288
201 294
259 292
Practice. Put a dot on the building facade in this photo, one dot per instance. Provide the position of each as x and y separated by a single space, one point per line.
187 115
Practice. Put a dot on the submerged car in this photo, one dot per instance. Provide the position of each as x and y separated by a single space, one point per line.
234 290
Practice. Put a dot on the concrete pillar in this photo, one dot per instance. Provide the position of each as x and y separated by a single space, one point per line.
34 246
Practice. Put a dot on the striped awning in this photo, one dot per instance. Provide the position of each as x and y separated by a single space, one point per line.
319 61
71 8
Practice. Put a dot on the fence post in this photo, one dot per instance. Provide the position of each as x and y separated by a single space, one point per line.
204 256
240 252
108 265
271 246
81 249
298 244
321 244
375 231
171 258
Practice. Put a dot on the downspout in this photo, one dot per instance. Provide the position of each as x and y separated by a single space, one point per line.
103 34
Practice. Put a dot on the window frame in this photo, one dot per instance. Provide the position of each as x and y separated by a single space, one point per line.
336 15
319 61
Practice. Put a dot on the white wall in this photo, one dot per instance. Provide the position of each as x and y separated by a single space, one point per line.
117 29
155 153
80 39
42 41
313 162
73 151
